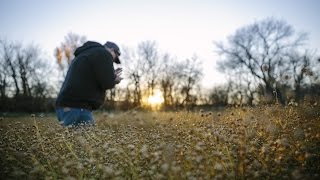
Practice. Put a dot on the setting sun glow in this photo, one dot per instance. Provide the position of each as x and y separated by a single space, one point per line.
156 99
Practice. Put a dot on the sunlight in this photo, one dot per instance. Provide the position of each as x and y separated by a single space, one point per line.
156 99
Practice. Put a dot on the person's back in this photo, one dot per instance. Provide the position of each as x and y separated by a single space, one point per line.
89 75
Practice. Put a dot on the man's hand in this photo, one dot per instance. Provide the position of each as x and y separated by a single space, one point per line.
118 72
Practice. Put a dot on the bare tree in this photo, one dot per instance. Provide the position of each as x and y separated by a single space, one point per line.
148 55
260 48
64 53
25 58
24 75
3 83
141 68
167 75
189 74
315 80
300 69
9 64
219 95
133 72
5 52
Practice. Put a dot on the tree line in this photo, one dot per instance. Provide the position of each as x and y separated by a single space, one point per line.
25 78
264 62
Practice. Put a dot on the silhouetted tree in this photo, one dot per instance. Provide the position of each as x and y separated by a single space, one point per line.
168 73
300 69
5 52
190 73
148 53
142 67
260 50
24 75
219 95
9 65
133 73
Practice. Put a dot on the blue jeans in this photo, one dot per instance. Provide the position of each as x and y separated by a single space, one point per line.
74 116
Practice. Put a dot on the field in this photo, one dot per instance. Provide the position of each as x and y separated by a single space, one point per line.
267 142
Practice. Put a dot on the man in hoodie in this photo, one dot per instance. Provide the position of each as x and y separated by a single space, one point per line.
90 74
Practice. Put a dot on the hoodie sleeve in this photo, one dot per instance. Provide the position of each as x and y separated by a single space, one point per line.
104 70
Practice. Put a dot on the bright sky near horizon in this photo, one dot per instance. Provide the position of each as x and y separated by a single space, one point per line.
180 27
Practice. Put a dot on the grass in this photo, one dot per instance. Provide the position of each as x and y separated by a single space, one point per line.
267 142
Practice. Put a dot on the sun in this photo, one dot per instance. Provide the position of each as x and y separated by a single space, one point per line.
156 99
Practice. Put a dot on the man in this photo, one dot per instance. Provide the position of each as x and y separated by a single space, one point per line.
89 75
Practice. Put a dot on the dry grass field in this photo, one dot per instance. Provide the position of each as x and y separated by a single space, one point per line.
267 142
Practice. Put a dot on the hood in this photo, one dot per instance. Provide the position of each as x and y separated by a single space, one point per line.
86 46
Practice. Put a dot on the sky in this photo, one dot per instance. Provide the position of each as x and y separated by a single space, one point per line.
182 28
